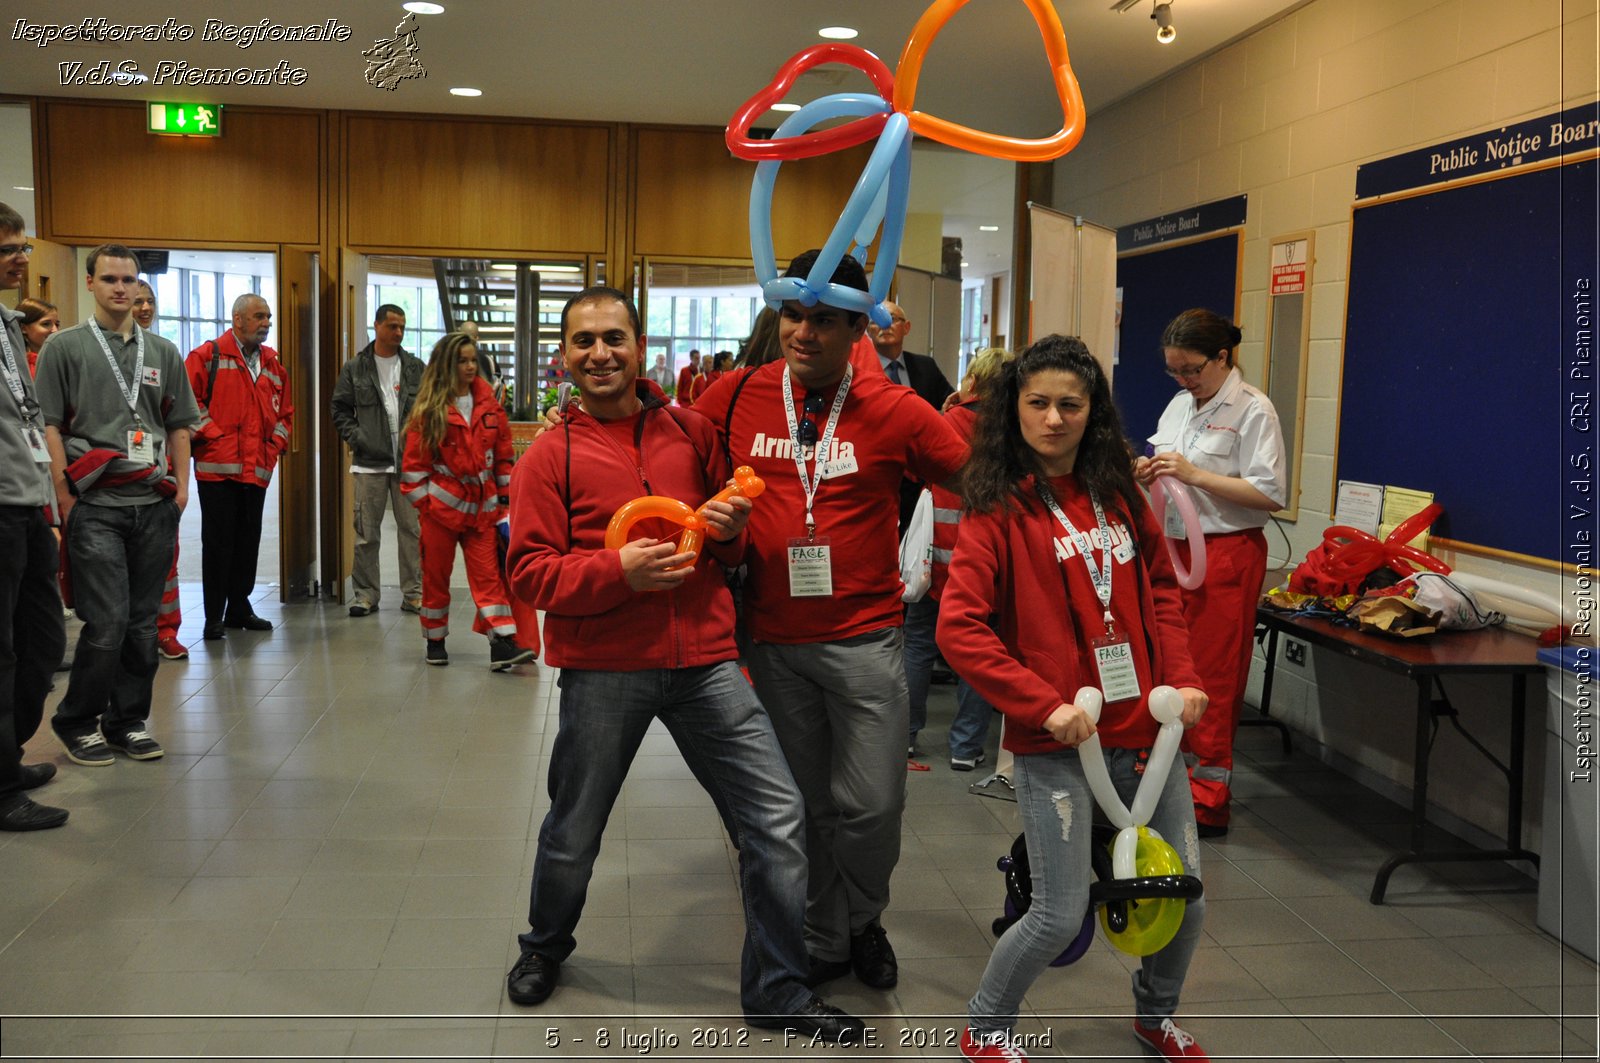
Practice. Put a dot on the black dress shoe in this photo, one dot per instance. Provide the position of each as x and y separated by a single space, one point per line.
24 814
873 958
252 622
36 775
213 633
533 979
824 971
818 1020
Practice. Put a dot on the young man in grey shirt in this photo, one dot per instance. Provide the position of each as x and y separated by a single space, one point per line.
118 410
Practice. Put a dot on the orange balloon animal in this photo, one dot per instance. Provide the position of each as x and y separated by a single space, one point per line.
618 532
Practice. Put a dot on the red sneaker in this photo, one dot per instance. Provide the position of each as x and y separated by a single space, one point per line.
996 1045
171 648
1170 1041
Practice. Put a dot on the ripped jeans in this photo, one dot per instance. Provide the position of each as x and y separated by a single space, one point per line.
1057 809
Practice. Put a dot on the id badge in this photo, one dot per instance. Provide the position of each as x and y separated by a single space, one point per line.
1113 657
1173 522
141 448
810 568
36 447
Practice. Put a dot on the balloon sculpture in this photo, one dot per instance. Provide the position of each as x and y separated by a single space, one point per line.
745 483
1353 554
1142 890
1193 574
881 193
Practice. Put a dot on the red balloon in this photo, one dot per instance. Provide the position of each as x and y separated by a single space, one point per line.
1413 525
817 142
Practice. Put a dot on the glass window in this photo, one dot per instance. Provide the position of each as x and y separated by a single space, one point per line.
233 286
202 295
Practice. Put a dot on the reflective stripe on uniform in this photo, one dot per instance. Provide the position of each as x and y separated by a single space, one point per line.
263 473
270 375
490 612
942 556
1210 771
220 470
413 477
946 516
459 505
434 614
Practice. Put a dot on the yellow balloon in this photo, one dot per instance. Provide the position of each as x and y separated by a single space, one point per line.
1154 921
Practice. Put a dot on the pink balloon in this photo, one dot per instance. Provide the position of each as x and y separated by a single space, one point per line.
1192 575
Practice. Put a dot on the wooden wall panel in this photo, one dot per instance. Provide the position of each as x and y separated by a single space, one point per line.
692 198
108 178
441 183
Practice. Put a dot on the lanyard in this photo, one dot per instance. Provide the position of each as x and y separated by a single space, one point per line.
13 375
1099 575
130 393
808 483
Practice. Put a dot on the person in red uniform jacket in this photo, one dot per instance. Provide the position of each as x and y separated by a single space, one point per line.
456 468
691 381
1059 552
245 419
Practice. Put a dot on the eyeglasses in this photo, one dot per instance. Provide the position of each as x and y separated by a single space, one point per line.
1189 373
807 430
13 250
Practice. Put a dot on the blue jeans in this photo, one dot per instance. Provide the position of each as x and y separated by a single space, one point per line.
119 557
1057 809
920 653
969 727
727 739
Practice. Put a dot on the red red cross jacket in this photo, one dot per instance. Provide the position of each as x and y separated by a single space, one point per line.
460 487
244 424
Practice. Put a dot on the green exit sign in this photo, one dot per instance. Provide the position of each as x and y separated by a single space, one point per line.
184 119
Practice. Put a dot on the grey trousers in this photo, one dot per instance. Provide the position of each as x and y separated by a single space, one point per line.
373 492
840 711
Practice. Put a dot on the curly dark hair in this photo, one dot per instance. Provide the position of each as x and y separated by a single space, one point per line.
1002 461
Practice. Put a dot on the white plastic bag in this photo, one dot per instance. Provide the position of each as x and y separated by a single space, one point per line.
1456 605
916 550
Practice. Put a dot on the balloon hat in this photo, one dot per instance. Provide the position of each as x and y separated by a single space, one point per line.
881 194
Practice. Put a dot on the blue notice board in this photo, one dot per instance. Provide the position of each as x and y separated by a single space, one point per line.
1157 286
1464 305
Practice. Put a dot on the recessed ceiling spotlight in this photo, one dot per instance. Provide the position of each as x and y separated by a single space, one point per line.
988 228
786 107
964 265
23 188
838 33
466 92
420 7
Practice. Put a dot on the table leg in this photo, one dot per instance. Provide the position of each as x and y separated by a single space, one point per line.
1419 793
1263 717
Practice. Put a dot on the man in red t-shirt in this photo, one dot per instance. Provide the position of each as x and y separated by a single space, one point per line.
823 601
691 381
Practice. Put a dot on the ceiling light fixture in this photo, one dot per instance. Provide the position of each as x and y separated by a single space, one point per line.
786 107
838 33
466 92
988 228
418 7
1165 33
23 188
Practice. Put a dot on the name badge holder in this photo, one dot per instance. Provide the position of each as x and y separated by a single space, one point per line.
27 405
1113 652
141 447
811 556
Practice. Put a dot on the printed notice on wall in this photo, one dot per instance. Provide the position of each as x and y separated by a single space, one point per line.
1359 505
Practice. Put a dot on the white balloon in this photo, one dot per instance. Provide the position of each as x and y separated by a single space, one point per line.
1155 772
1166 704
1124 853
1089 700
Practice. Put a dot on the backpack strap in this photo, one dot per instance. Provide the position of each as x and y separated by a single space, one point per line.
727 421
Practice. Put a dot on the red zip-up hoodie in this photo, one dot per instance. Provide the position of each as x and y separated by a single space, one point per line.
1006 572
563 494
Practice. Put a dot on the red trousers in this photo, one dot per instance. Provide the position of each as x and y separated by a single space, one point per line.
1221 614
495 615
170 616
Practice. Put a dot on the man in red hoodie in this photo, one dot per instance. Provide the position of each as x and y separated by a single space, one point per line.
642 632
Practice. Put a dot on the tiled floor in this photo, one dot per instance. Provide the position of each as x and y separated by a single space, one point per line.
331 862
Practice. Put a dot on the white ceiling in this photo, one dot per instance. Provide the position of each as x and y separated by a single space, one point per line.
653 61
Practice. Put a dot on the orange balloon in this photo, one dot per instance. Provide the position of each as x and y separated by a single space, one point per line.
620 529
992 144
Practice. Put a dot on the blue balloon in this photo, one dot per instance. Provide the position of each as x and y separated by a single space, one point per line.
880 197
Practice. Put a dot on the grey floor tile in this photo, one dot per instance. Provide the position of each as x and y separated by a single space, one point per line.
325 944
1304 969
349 896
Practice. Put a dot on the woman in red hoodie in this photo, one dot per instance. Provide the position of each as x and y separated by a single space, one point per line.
1060 580
457 471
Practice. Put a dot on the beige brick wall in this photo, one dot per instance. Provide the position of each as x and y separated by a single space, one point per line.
1286 115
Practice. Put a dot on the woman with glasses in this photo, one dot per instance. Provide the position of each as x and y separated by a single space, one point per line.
1220 436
